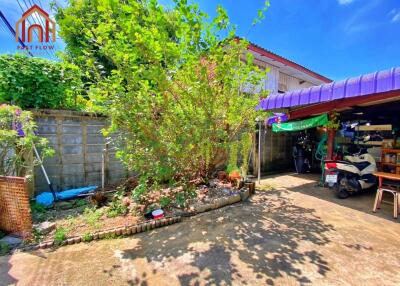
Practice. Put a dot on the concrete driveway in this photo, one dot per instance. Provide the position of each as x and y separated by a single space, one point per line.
295 234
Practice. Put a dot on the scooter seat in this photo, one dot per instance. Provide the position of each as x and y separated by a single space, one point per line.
361 165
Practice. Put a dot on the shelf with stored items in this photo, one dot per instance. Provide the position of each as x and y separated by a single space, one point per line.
373 135
390 160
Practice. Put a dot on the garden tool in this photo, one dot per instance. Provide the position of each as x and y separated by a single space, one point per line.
44 173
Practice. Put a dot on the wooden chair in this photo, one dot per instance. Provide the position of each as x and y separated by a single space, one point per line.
389 187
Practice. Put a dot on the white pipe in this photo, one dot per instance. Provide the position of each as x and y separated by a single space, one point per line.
41 164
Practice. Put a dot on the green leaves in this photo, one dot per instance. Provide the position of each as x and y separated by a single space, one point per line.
261 13
38 83
171 84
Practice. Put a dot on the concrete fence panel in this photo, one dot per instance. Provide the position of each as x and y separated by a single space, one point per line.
79 144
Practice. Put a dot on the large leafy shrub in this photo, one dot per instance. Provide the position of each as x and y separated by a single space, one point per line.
38 83
178 93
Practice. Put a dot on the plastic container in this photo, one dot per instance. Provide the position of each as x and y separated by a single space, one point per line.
157 214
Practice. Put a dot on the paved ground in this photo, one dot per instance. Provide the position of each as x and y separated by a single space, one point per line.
297 234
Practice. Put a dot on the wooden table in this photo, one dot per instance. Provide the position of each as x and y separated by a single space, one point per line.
381 189
383 175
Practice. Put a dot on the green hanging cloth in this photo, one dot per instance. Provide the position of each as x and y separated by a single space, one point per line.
301 125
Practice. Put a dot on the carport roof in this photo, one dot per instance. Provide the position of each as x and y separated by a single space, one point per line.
369 84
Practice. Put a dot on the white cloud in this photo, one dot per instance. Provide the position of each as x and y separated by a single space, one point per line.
395 15
361 20
345 2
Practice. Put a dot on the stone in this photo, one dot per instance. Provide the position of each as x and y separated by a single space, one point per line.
213 183
224 202
111 232
49 244
234 199
226 191
251 186
27 248
12 241
244 194
45 227
222 176
141 208
203 207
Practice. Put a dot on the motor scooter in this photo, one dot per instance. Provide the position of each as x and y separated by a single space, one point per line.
352 175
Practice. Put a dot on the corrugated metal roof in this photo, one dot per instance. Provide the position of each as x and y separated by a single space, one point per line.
284 60
378 82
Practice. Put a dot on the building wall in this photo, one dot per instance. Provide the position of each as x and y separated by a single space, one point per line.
290 83
276 148
276 79
78 143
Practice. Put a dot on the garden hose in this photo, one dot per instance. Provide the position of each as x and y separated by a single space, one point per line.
320 154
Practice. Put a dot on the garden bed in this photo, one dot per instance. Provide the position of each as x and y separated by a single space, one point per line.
117 213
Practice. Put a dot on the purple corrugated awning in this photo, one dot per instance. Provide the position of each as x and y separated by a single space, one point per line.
378 82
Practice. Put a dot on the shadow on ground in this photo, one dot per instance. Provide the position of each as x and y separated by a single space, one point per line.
362 201
221 247
6 278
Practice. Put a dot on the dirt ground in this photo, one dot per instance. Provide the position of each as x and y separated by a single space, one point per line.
294 234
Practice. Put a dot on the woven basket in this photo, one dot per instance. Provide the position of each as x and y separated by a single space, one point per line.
15 211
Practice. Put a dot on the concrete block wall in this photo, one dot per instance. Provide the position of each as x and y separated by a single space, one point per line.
78 143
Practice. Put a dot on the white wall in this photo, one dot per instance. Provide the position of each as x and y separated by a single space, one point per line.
275 78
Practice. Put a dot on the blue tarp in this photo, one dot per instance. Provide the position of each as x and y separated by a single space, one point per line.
46 198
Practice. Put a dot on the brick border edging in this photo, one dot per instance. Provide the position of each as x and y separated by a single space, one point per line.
117 232
241 196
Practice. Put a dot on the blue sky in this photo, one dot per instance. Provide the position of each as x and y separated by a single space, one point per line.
336 38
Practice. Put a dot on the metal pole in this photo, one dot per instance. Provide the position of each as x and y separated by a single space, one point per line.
104 158
45 173
259 151
103 163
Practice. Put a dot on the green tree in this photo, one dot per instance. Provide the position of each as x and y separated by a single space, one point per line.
176 90
38 83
